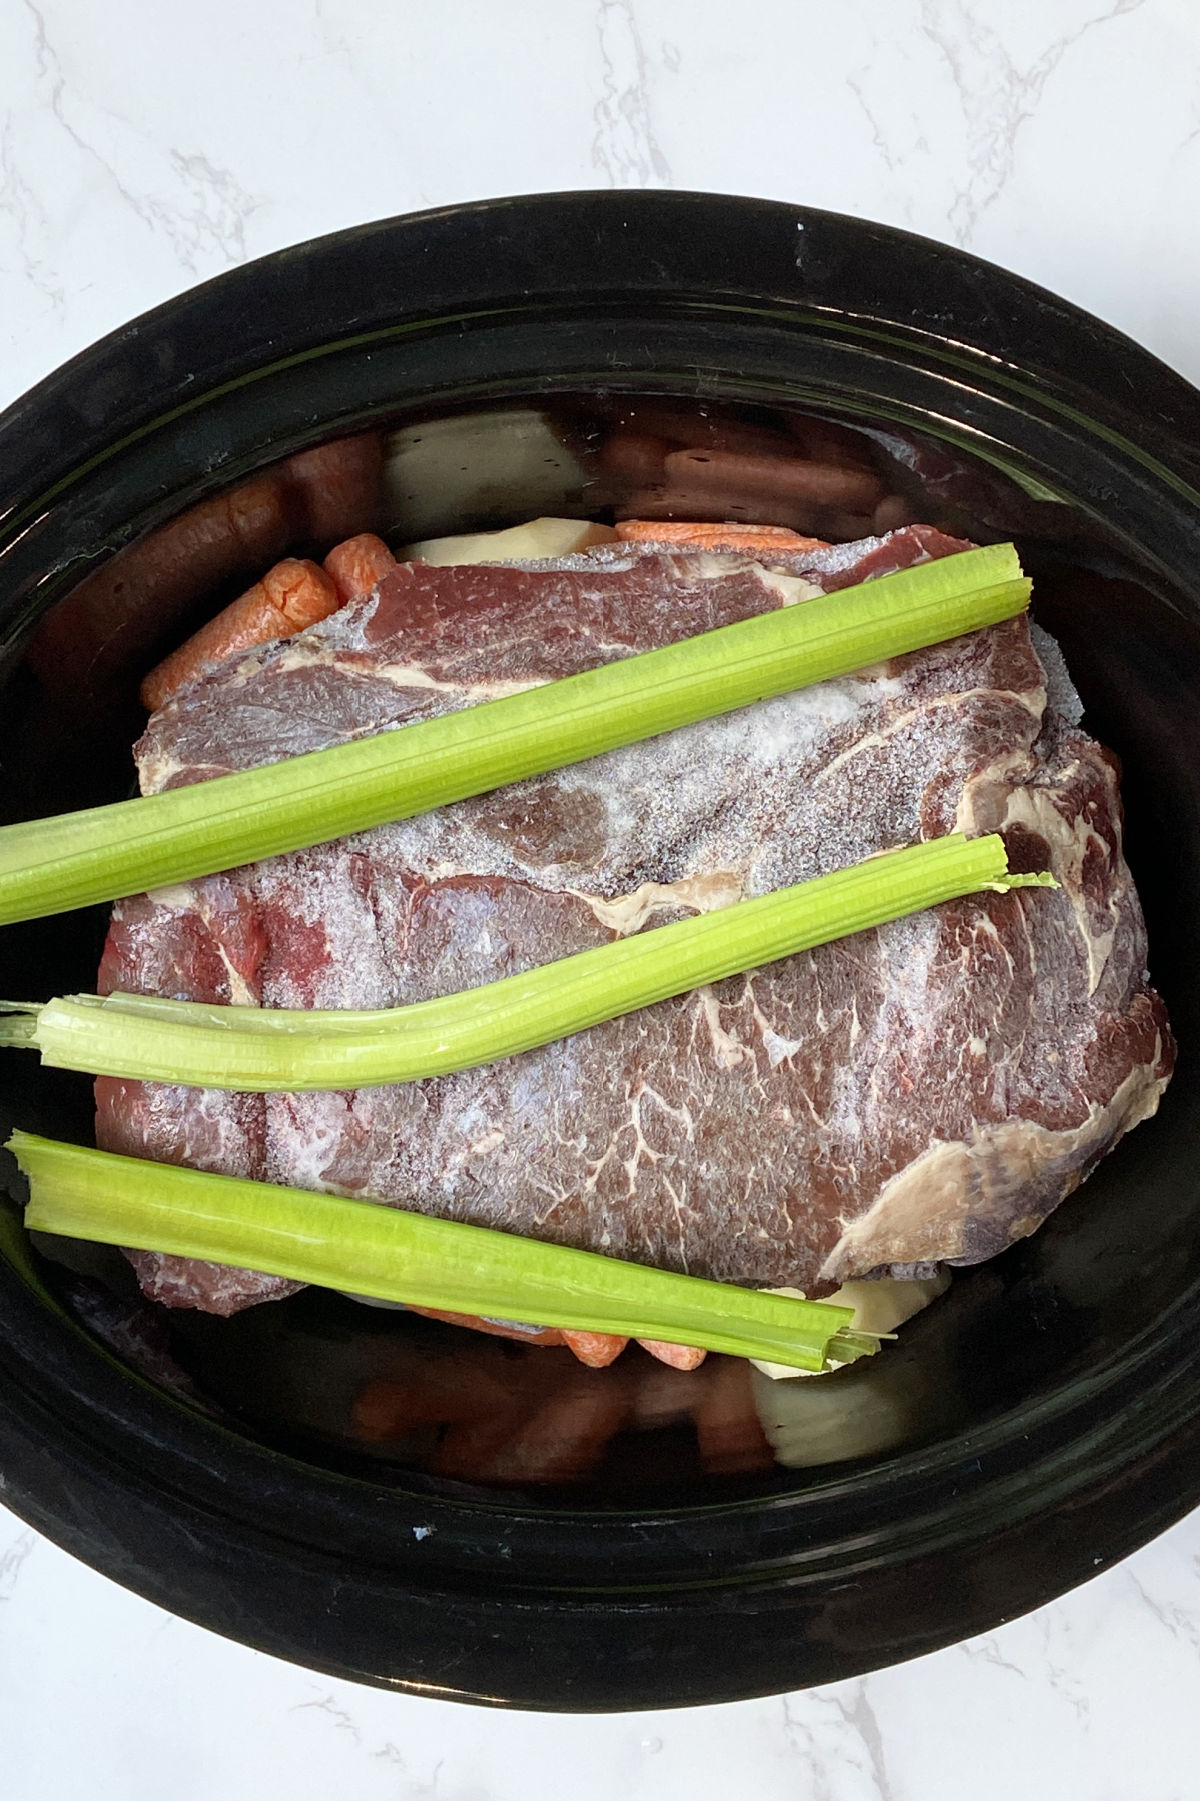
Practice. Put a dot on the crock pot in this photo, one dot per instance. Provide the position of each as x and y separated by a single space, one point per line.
1054 1422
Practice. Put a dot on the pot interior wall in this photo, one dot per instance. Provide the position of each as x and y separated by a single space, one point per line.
1105 1269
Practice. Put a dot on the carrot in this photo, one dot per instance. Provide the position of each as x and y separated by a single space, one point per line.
117 618
776 478
410 1388
300 591
358 565
667 501
337 487
292 595
470 1442
821 441
386 1408
596 1349
258 514
755 488
664 458
678 1356
539 1335
560 1441
701 535
728 1431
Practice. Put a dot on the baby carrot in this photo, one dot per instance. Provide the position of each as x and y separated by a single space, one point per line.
747 539
293 594
358 565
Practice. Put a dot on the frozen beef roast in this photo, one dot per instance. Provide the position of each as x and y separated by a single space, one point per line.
924 1092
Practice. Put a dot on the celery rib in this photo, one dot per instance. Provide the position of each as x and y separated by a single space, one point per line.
392 1255
52 865
279 1049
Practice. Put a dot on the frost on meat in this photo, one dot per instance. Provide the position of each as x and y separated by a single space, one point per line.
924 1092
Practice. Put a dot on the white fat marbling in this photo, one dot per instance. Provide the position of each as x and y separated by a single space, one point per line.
144 147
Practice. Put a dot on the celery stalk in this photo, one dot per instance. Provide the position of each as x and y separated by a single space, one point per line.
261 1050
52 865
395 1256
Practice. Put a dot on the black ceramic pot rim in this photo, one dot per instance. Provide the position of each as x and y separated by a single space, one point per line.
534 254
410 1585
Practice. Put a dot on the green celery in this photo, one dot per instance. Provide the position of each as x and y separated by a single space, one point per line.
52 865
396 1256
262 1050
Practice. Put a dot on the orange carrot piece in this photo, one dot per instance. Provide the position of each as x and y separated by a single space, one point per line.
705 535
292 595
785 478
107 628
337 486
302 592
596 1349
471 1442
680 503
540 1335
386 1408
821 441
358 565
259 515
728 1431
560 1441
678 1356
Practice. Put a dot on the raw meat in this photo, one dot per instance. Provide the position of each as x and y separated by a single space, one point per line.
922 1093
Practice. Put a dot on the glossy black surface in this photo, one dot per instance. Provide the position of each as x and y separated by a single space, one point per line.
1052 1399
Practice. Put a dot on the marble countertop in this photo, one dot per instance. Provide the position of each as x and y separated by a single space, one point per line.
144 148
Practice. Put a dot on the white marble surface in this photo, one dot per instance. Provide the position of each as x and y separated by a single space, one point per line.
146 146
